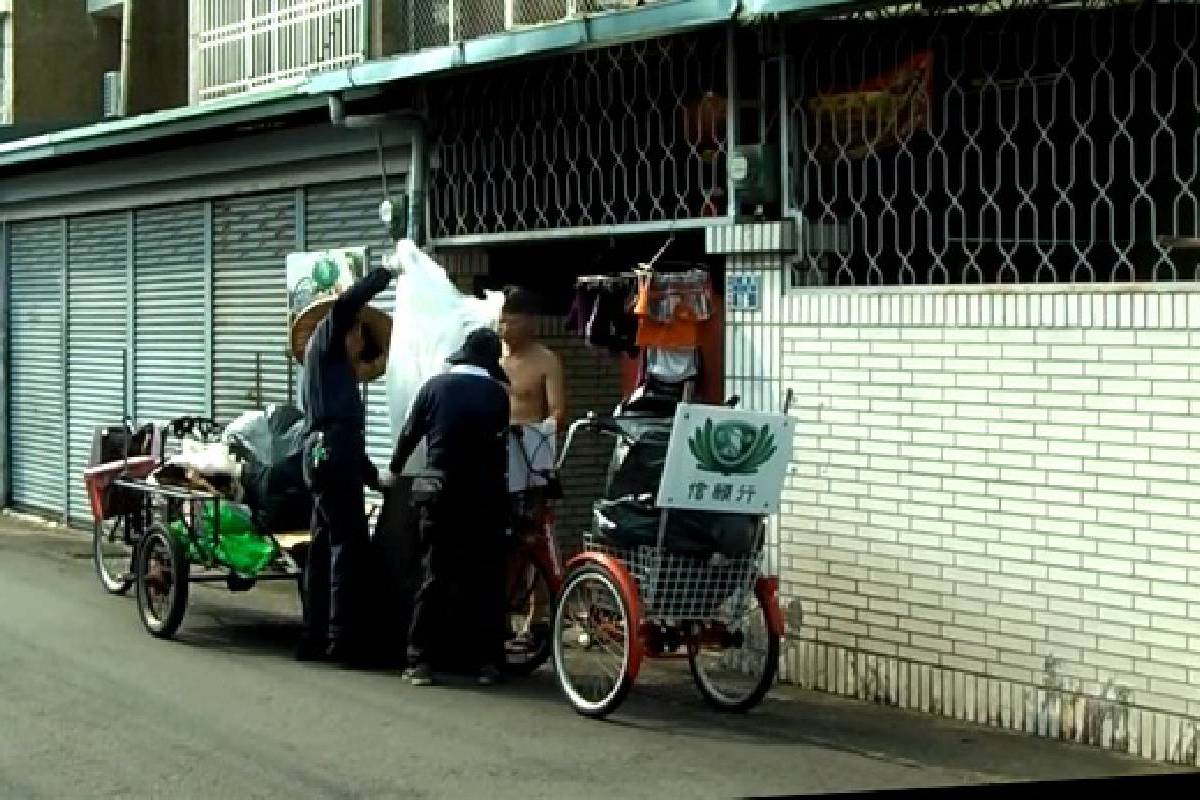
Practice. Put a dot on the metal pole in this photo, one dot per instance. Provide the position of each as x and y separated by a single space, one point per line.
129 371
64 356
785 189
417 177
301 245
5 366
731 117
209 311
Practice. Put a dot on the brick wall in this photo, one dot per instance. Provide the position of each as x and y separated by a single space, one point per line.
593 384
993 510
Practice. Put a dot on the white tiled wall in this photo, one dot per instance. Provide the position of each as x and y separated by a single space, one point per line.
994 505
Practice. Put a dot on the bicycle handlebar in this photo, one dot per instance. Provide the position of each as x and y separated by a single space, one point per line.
609 426
605 425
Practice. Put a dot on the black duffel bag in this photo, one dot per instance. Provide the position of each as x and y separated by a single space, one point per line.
629 523
637 464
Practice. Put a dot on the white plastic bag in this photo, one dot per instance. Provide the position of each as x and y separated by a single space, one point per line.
531 456
430 321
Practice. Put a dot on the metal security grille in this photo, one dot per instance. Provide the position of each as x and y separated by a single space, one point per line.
434 23
241 45
630 135
36 369
98 356
169 313
1009 142
252 236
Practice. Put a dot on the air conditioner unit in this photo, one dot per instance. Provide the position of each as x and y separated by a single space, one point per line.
112 95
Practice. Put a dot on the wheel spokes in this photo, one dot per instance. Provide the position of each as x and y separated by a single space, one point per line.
732 673
592 643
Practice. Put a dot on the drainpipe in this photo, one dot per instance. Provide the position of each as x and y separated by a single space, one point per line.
417 176
412 125
126 39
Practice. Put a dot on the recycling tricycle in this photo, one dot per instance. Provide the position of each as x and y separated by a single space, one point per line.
674 565
149 533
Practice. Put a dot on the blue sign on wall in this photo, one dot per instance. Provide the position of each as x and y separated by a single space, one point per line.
743 292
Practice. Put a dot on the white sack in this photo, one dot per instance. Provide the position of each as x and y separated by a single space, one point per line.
531 456
431 320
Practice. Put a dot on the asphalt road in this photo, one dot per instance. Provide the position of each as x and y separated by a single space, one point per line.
91 706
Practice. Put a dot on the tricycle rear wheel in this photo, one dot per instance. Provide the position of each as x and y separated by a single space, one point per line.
162 570
112 555
735 678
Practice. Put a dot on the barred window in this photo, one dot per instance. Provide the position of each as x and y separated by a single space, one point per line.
1008 142
620 136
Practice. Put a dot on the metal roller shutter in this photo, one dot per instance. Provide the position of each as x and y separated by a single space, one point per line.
252 236
36 369
347 215
97 302
170 377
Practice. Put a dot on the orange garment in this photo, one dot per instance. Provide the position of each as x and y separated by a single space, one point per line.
670 310
680 333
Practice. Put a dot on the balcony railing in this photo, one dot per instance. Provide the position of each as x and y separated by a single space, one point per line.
244 45
432 23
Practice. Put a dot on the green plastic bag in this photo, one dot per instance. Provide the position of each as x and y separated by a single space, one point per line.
241 547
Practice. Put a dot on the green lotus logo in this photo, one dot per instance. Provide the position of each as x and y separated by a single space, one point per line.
324 274
732 448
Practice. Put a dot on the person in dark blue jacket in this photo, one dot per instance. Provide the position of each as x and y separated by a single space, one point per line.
343 351
463 417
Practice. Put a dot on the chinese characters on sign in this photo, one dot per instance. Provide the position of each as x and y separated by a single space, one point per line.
723 493
725 460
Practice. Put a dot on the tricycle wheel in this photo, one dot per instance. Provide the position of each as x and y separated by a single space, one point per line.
735 675
593 641
162 582
112 555
530 618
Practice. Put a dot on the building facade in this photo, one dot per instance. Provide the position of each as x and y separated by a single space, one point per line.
963 237
54 59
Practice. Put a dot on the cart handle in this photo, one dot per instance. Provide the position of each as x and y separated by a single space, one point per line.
592 422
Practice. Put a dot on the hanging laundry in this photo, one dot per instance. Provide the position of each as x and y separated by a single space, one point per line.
672 364
612 326
671 307
581 310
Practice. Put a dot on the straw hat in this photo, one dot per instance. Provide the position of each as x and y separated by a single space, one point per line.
379 323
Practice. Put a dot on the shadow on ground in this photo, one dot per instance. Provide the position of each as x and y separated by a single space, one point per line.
666 703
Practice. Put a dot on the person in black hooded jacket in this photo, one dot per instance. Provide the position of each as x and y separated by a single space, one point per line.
463 417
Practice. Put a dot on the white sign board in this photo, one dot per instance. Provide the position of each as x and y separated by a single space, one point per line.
726 460
311 276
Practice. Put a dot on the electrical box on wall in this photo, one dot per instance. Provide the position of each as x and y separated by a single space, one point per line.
111 95
754 169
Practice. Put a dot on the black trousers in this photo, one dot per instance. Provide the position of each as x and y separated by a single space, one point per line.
334 579
462 548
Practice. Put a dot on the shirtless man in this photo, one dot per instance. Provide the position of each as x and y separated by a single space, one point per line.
537 394
537 390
